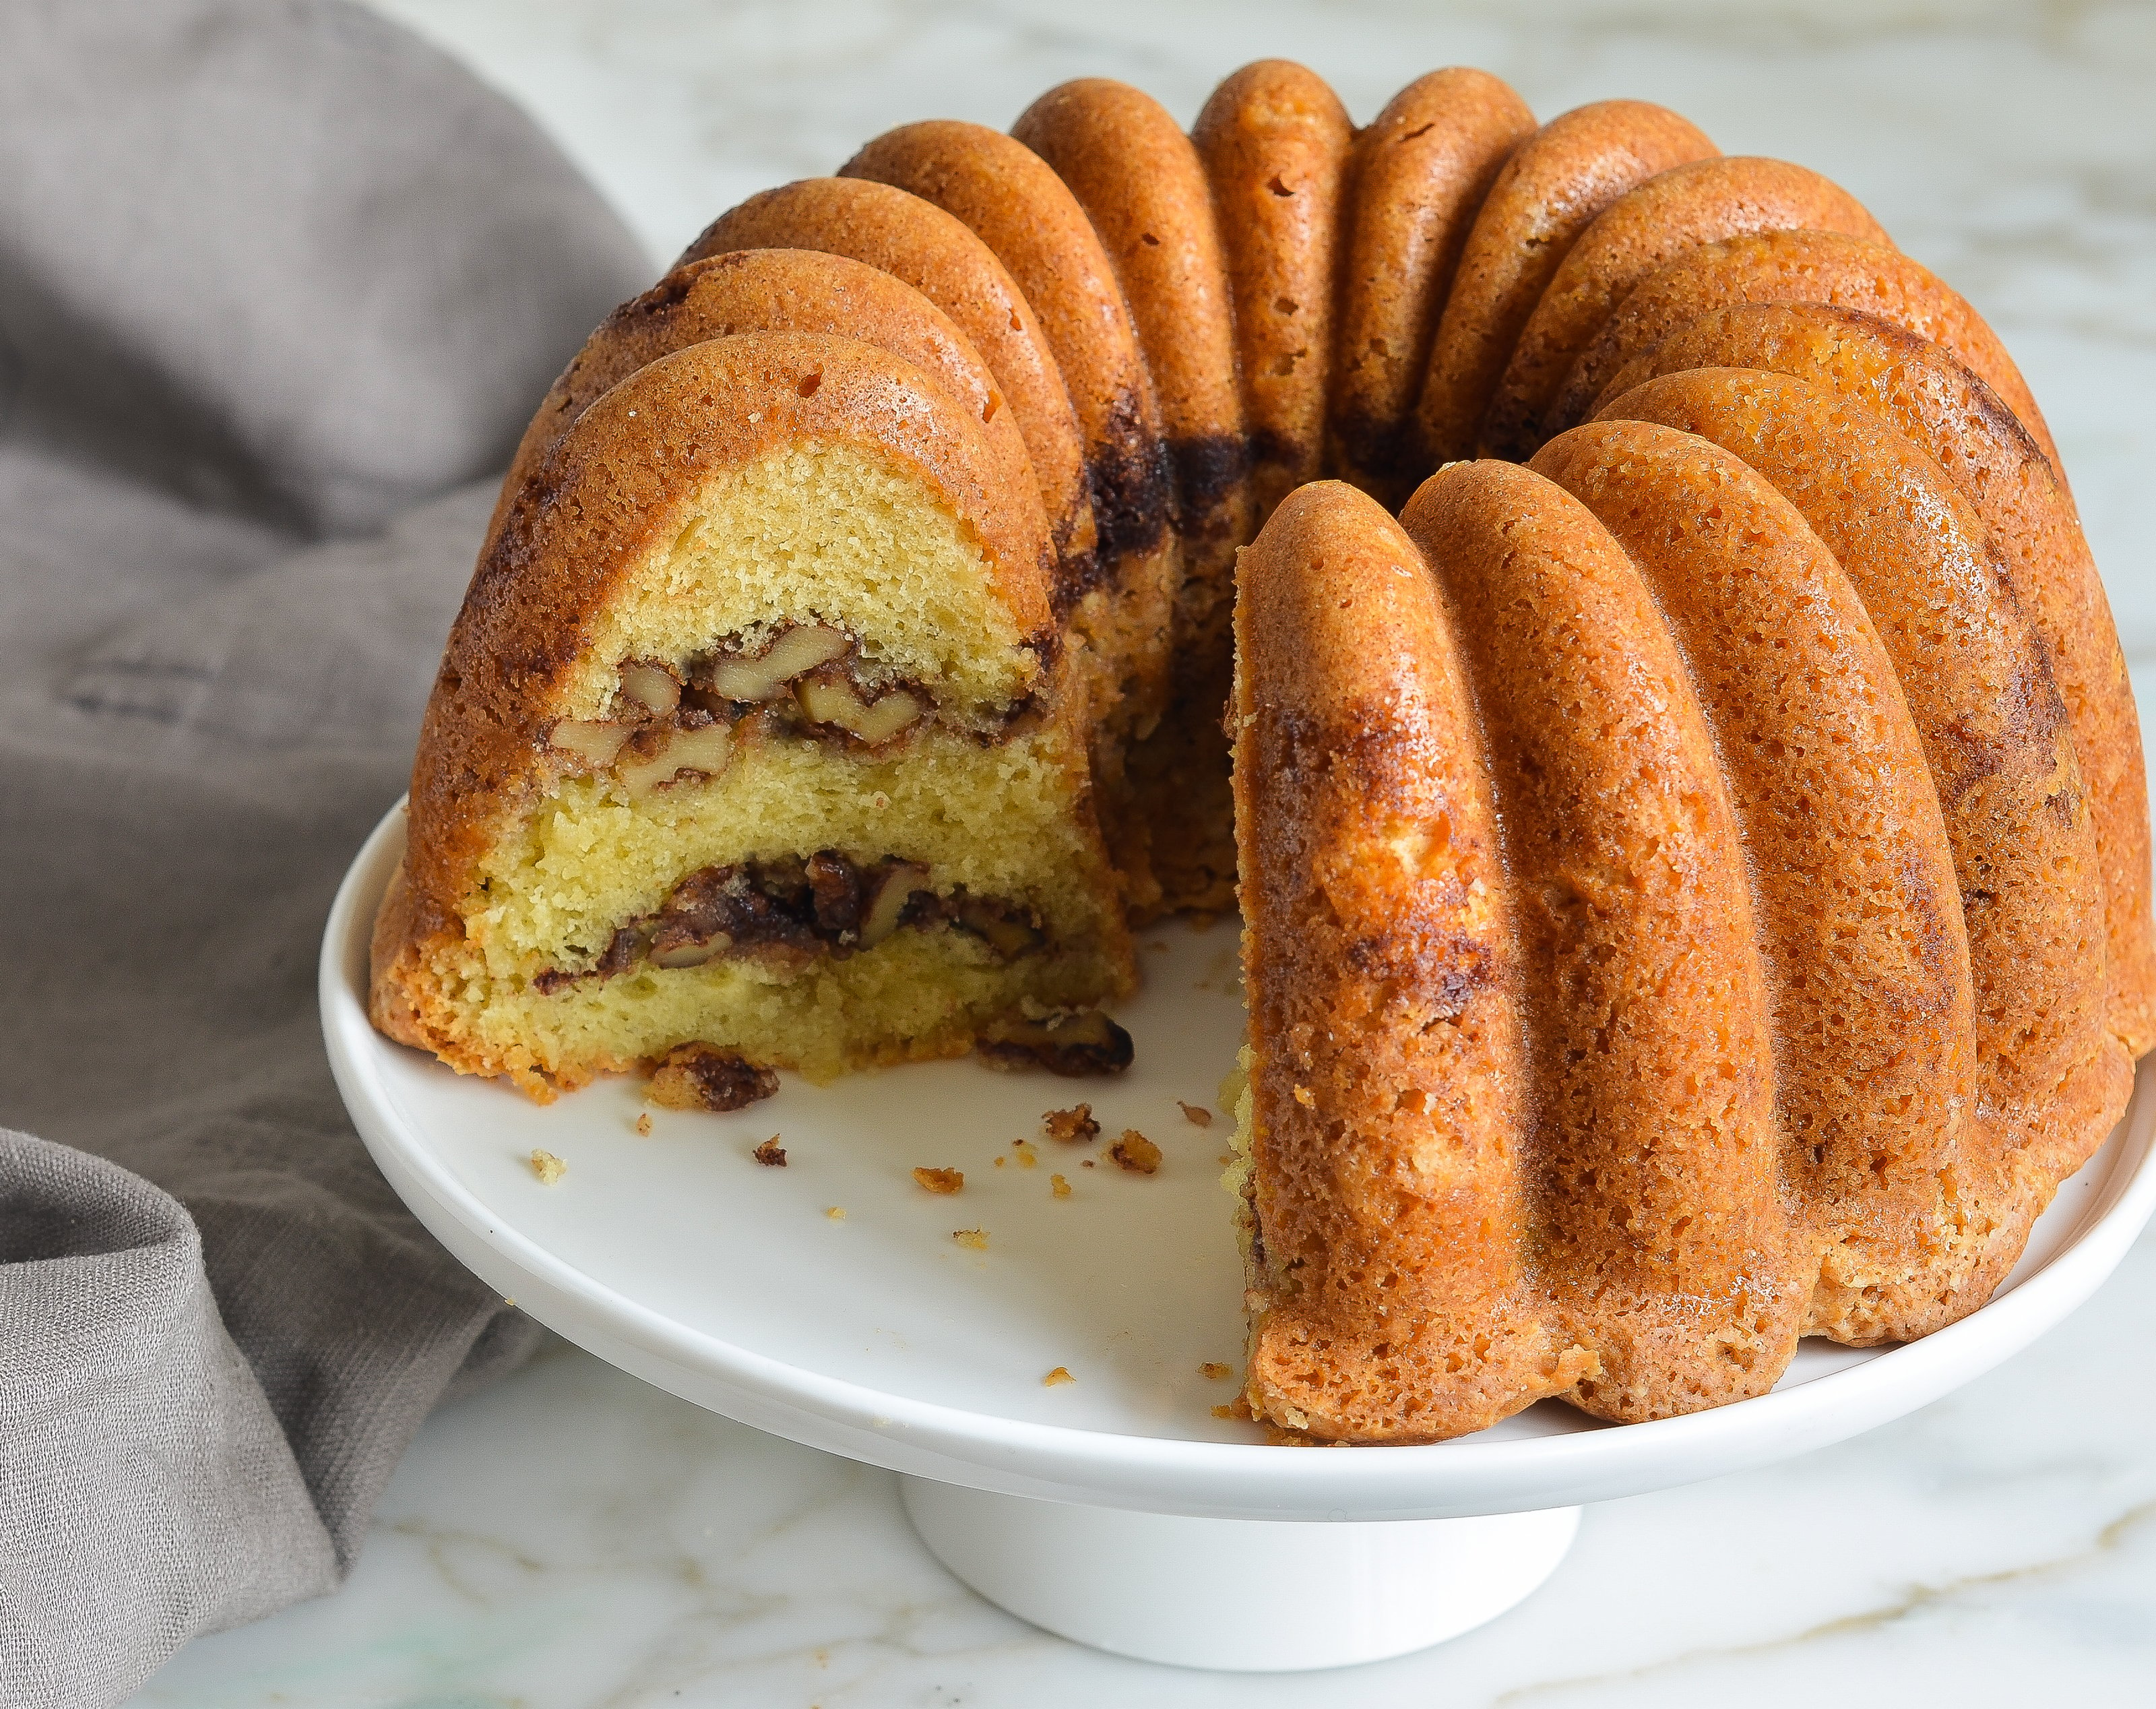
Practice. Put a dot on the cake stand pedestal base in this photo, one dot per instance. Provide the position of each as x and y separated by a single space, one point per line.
1254 1595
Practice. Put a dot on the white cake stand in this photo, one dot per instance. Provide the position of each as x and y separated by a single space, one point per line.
1116 1508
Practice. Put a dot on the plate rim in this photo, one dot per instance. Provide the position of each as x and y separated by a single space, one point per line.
1075 1463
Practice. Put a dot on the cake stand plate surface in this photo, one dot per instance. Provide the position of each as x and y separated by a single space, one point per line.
835 1302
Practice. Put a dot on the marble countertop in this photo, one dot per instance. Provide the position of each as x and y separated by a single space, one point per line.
573 1537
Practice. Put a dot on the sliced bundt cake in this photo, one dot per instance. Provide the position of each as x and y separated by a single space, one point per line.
753 733
1695 885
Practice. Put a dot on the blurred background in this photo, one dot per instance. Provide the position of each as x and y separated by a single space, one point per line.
572 1538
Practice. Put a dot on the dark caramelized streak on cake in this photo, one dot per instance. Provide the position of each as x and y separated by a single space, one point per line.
1134 489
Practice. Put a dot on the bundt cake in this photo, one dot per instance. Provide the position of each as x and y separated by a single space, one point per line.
1694 859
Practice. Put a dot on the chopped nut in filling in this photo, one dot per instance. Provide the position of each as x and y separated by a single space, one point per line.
825 905
809 682
1074 1043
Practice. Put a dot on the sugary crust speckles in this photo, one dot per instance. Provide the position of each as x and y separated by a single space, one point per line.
1641 231
1012 200
1419 171
1866 958
1276 141
1141 183
1388 1277
1550 189
1977 679
780 290
1665 1241
1943 407
1796 266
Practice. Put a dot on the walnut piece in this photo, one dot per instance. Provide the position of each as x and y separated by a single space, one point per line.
652 686
1072 1045
766 676
595 744
771 1154
833 700
700 1076
704 748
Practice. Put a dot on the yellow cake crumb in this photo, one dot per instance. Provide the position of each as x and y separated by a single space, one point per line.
940 1181
1213 1371
1058 1187
644 1125
1061 1374
1197 1114
1027 1158
547 1167
1074 1126
837 1213
1136 1153
977 1238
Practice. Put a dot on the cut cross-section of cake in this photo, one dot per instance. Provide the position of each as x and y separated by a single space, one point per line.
754 733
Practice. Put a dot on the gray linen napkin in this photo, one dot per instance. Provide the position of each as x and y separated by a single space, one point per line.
278 287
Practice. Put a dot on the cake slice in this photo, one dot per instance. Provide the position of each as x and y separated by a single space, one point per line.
754 746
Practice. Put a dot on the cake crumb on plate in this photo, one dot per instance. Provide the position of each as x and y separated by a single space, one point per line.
977 1238
643 1124
1061 1374
771 1154
547 1167
1076 1126
1213 1371
940 1181
1197 1114
1057 1187
837 1213
1136 1153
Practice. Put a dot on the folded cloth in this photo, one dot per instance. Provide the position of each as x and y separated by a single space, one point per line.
278 287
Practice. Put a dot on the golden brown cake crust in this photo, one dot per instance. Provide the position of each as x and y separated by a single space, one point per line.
1663 1240
1012 200
607 493
1796 266
929 249
1275 140
1549 192
779 290
1640 232
1978 678
1943 407
1142 184
1420 172
1867 961
1389 1292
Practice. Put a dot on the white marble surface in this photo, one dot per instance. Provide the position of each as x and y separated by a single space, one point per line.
576 1538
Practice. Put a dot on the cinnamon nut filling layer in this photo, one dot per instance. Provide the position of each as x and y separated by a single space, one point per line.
808 681
795 909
